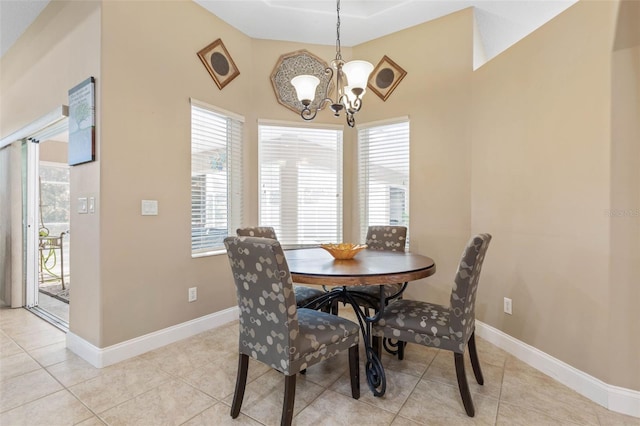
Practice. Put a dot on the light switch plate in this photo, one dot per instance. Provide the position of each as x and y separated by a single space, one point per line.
92 204
149 207
82 205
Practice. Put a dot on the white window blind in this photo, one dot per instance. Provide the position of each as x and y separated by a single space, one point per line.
301 183
383 175
216 177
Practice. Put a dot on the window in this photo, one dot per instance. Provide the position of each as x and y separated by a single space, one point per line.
54 197
383 168
301 183
216 176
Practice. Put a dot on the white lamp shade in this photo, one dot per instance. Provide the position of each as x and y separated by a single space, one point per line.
305 86
357 73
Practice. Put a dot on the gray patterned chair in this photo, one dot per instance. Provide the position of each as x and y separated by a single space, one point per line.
389 238
273 330
452 327
304 294
383 238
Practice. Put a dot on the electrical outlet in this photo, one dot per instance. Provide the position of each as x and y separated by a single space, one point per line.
508 306
193 294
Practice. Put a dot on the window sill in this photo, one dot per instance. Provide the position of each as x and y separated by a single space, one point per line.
208 253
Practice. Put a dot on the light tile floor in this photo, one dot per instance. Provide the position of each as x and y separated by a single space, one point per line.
191 382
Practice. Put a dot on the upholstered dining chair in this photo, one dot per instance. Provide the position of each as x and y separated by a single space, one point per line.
383 238
273 330
303 293
450 327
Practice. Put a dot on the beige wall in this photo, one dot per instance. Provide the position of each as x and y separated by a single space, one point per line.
625 198
53 151
59 50
541 168
540 185
520 148
624 316
150 71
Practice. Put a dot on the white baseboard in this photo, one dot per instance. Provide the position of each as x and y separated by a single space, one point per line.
102 357
614 398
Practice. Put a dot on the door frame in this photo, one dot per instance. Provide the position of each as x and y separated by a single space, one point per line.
33 215
25 243
31 261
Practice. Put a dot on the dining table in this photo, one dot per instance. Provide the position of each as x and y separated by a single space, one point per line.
316 266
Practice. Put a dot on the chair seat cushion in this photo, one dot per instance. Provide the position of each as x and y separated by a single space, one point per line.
321 336
419 322
305 294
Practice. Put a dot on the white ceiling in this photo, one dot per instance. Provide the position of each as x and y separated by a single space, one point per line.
15 18
499 23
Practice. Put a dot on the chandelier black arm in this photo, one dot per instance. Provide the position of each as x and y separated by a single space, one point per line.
306 112
357 104
351 120
308 115
352 107
329 72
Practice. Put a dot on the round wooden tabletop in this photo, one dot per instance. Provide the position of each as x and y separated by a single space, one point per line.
369 267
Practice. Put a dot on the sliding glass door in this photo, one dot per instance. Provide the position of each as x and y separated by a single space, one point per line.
46 215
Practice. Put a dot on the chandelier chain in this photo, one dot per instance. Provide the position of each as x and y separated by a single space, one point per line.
338 53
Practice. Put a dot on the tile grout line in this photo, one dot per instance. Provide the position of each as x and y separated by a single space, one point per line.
64 387
42 367
537 409
504 368
397 414
326 388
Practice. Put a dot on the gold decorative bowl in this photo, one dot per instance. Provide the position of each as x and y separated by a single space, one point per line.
343 251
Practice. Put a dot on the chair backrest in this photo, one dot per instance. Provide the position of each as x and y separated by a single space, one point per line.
388 238
257 231
268 314
465 286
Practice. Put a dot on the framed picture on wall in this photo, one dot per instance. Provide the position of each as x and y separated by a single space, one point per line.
385 77
219 63
82 122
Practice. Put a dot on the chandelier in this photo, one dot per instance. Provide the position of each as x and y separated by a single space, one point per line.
351 84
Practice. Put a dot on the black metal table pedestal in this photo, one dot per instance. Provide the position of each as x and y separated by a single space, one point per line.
373 367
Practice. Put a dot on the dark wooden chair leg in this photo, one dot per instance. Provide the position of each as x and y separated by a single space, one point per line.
241 383
475 363
463 385
354 371
334 307
289 399
401 346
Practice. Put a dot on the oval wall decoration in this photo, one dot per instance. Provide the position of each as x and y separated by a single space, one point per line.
219 63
